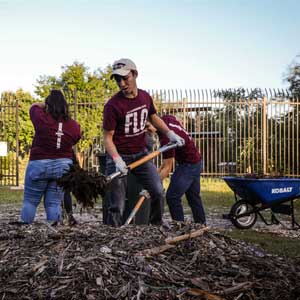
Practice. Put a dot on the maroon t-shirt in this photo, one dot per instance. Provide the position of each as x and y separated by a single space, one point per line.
186 154
127 117
52 139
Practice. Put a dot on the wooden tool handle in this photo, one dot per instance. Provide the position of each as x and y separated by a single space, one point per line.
143 159
186 236
135 210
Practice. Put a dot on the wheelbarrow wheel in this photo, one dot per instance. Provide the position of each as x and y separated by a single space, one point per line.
242 207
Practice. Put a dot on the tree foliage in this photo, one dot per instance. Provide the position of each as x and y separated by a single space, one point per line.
26 130
15 111
236 121
293 77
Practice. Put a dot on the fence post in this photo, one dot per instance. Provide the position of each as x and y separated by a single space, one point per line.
184 112
75 104
75 148
265 135
17 142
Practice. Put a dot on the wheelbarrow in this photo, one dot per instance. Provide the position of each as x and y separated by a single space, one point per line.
254 195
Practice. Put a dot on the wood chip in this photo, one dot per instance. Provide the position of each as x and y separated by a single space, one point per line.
174 262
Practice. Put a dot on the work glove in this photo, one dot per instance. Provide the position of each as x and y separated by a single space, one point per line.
121 165
175 138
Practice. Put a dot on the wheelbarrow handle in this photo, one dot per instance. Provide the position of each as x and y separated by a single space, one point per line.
144 159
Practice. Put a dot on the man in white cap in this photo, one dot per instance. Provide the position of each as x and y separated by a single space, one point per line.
124 120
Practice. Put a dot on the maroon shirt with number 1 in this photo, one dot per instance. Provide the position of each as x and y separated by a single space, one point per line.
53 138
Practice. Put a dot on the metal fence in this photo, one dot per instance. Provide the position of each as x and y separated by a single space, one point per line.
237 131
9 145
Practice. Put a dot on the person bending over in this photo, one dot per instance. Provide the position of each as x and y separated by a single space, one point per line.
50 156
186 177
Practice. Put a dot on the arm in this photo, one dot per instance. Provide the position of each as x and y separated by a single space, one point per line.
37 112
109 144
163 128
77 158
111 149
165 168
159 124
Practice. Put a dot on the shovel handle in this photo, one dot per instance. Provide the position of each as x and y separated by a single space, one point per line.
144 159
152 155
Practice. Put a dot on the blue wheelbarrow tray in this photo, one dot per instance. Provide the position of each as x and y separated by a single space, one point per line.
258 194
264 190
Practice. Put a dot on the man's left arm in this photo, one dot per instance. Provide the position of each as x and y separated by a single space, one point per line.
164 129
159 124
165 168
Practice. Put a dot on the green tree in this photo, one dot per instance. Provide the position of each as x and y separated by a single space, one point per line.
293 77
26 130
10 101
241 139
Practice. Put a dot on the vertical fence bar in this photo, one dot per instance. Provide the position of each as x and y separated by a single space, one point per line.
276 140
17 141
271 135
264 142
242 134
208 138
255 121
297 137
284 138
290 112
184 104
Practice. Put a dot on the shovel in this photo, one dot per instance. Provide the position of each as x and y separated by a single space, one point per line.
87 187
144 159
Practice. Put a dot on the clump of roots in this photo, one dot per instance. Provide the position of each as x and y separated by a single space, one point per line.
84 185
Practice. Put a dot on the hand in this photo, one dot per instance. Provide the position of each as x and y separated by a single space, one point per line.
175 138
121 165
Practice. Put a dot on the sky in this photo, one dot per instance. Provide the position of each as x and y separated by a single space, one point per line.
187 44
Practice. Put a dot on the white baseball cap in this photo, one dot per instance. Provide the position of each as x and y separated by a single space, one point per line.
122 67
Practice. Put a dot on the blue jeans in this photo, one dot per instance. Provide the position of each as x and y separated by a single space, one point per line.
40 180
186 180
147 176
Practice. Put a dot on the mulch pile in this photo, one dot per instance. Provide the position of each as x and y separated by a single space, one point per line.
175 261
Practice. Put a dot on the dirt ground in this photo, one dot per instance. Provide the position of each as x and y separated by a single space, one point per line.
95 261
214 216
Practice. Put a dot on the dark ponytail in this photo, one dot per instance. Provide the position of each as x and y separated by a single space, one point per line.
57 106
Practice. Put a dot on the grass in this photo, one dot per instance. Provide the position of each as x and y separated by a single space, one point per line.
8 196
217 197
215 193
272 243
